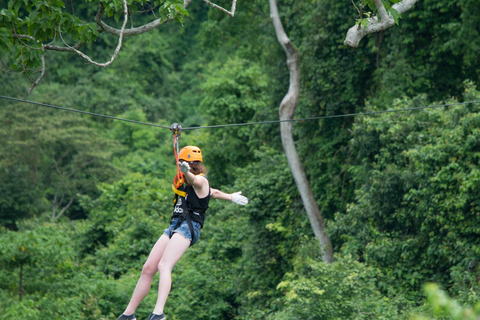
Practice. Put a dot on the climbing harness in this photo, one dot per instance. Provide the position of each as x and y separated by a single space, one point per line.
183 207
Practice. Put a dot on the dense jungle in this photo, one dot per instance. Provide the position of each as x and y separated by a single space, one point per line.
84 198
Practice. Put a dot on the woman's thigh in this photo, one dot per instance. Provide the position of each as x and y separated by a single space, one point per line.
151 265
174 250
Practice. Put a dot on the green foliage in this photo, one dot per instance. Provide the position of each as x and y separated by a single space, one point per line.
39 21
131 213
173 9
445 307
42 23
20 199
133 135
398 194
238 93
345 289
42 276
388 7
413 58
53 158
416 214
277 225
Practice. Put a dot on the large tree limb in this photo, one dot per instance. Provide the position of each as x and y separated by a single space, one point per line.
131 31
119 45
287 111
356 33
156 23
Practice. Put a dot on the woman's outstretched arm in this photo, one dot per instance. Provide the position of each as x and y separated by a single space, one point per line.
234 197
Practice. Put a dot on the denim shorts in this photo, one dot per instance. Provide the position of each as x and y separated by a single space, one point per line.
184 230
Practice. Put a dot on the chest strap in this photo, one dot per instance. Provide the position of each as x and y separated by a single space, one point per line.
179 192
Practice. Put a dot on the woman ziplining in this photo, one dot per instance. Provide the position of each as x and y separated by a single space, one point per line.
192 195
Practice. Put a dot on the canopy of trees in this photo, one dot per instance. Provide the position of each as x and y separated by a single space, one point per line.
83 199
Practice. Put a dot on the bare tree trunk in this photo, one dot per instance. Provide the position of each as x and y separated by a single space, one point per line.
65 208
56 204
20 283
287 111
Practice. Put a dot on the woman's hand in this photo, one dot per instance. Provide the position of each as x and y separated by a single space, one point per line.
239 199
184 167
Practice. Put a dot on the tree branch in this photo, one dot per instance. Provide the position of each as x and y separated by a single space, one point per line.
154 24
381 10
132 31
356 33
64 49
102 26
65 208
48 46
231 13
41 75
121 34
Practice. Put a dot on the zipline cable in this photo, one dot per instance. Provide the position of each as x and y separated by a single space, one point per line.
332 116
247 123
84 112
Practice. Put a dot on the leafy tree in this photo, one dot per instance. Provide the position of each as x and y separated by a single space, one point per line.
34 27
42 276
442 306
128 214
428 59
276 227
20 197
345 289
238 93
55 154
416 211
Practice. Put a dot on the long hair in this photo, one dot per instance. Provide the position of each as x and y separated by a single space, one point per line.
196 167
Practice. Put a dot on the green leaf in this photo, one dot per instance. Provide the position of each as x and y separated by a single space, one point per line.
94 29
364 23
17 6
5 36
394 14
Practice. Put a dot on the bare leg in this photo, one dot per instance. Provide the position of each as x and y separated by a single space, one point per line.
175 249
149 269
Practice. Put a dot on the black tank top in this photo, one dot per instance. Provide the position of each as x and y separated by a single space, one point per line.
195 206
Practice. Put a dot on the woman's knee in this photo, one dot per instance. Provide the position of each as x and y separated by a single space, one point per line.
149 269
164 267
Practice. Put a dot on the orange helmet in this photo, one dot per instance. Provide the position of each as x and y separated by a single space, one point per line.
190 153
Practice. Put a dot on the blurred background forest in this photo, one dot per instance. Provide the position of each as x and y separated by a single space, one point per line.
83 199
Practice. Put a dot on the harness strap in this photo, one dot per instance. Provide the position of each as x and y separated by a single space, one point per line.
178 192
179 178
186 210
184 216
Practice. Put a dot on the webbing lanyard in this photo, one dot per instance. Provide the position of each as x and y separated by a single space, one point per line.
178 180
